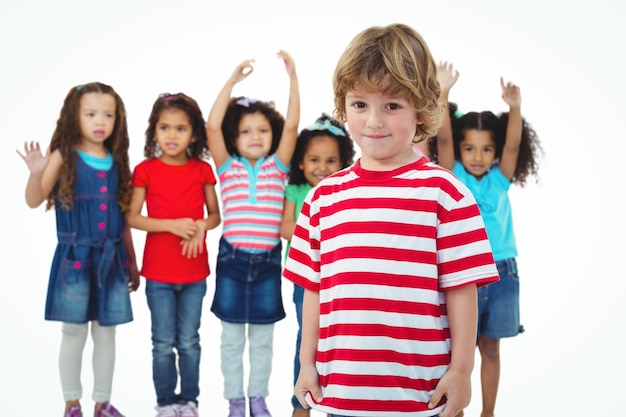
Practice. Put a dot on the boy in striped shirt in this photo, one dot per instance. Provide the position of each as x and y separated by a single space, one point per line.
390 251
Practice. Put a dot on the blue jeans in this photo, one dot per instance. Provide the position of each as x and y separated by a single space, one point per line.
176 310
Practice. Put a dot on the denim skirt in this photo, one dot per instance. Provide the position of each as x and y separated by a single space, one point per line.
248 285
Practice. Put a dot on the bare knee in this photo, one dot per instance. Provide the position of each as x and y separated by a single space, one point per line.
489 348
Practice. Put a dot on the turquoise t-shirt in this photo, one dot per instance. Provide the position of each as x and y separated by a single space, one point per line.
296 193
103 164
491 194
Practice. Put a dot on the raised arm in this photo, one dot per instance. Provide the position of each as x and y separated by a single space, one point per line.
447 77
511 96
217 147
44 172
290 130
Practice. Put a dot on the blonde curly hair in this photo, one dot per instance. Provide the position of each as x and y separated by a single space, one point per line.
394 60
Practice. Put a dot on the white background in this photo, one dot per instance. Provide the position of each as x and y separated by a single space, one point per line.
568 58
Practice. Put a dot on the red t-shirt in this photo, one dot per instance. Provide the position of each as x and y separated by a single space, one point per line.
172 192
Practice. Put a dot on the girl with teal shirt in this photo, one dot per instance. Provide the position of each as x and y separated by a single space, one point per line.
488 153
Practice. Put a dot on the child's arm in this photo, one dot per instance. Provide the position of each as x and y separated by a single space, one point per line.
290 130
308 379
447 77
44 172
217 146
508 161
184 227
288 222
194 246
455 385
133 270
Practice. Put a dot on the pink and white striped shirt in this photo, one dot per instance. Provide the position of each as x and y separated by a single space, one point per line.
252 199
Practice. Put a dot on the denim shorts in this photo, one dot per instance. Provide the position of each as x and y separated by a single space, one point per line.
498 304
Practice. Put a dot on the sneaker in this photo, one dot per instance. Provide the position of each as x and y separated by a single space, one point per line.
167 411
258 408
237 407
188 410
74 411
107 410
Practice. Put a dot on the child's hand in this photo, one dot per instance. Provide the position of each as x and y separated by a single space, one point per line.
35 161
308 382
290 64
511 94
456 387
133 279
446 75
242 71
195 245
185 228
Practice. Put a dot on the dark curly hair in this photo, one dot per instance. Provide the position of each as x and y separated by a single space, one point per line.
323 126
199 147
530 149
67 136
239 107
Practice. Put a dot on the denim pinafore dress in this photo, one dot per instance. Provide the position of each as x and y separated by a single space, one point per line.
89 274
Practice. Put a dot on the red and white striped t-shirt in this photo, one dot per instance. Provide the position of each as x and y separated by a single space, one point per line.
381 248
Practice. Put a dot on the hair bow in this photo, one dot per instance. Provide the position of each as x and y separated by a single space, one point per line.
328 126
245 101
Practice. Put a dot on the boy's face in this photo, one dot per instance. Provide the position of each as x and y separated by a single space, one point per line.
383 127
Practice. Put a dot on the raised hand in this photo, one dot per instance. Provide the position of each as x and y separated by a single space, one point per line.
35 160
446 75
290 64
511 94
242 71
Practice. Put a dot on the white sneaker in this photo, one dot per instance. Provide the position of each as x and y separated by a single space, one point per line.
167 411
188 410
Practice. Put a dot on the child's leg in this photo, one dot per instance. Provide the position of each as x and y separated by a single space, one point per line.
298 295
73 341
231 348
188 341
261 350
162 299
103 361
489 373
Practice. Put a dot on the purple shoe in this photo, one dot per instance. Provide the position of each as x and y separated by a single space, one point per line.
107 410
74 411
258 408
237 407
